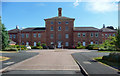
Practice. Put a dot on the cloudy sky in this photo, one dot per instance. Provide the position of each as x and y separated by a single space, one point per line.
86 13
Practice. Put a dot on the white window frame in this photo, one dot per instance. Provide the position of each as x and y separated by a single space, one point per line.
39 35
10 36
66 43
51 36
59 22
59 28
66 36
34 35
106 35
96 34
27 35
51 28
14 36
91 34
79 34
84 34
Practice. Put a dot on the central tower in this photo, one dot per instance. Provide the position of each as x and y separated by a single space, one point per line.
59 30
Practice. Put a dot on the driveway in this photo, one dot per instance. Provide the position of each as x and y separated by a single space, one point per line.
16 57
85 59
48 62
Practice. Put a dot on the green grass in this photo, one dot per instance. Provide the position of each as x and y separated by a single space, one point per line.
110 51
115 65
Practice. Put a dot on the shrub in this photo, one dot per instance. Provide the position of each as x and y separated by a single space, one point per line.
90 47
43 44
38 44
80 47
40 47
112 57
36 47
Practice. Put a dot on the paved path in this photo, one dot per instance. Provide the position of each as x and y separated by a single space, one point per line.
16 57
92 67
49 60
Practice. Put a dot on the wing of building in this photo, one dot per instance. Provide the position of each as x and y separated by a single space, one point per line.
60 31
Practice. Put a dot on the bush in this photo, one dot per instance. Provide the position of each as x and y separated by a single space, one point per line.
112 57
43 45
18 47
10 49
80 47
36 47
40 47
38 44
90 47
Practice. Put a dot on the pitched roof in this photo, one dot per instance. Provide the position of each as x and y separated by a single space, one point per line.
59 17
28 29
13 31
107 30
34 29
85 29
12 42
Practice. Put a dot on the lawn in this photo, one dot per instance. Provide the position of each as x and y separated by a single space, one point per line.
3 58
112 64
8 51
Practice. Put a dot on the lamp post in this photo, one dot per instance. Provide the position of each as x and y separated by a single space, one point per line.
20 39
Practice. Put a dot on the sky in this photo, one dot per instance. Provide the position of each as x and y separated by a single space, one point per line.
86 14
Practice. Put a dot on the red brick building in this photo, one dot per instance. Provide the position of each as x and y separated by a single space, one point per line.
60 31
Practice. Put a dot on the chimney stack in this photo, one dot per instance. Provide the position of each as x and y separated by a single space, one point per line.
103 25
59 12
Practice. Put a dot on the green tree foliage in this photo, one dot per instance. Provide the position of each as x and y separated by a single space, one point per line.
4 35
117 43
0 34
38 44
109 44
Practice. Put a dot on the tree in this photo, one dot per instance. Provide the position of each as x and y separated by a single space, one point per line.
0 34
4 35
117 43
110 27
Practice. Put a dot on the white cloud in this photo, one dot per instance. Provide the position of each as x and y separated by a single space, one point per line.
76 3
102 6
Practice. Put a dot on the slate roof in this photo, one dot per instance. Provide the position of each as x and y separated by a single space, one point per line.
85 29
60 17
107 30
28 29
13 31
34 29
12 42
